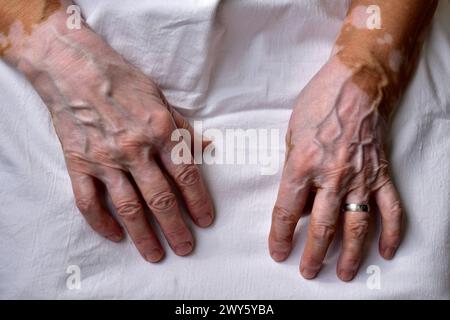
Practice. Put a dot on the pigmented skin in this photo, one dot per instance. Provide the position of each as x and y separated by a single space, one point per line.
114 125
336 150
394 48
28 14
335 140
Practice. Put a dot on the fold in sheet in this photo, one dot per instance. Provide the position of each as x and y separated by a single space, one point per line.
232 64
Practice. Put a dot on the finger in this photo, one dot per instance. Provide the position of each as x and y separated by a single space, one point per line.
189 181
90 204
162 202
291 200
355 232
182 123
321 230
130 209
391 211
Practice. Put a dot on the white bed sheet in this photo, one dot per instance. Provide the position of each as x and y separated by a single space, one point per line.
231 64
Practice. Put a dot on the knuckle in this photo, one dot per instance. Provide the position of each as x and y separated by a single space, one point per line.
188 175
100 226
162 124
322 231
75 160
143 240
311 261
162 201
178 232
337 177
299 165
282 244
392 234
200 205
129 146
395 211
358 230
129 209
351 262
284 216
183 123
84 204
129 142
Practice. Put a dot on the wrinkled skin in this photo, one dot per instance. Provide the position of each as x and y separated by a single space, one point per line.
114 125
124 126
115 129
335 149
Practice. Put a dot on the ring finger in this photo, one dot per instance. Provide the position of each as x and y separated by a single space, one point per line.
356 225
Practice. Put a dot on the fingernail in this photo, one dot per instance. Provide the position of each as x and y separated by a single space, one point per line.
154 255
346 275
308 273
183 248
114 237
278 256
204 221
389 253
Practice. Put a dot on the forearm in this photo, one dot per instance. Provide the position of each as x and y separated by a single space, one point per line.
52 55
389 50
34 35
19 19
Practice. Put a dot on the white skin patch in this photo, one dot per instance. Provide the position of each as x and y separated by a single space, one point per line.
395 60
387 39
16 31
336 49
358 17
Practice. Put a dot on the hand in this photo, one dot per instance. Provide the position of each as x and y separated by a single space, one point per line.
115 128
335 144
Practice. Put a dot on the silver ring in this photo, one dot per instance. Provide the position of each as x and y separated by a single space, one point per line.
356 207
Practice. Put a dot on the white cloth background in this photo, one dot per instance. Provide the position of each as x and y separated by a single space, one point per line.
233 64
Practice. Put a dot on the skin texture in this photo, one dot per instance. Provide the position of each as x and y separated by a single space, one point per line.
29 13
114 125
336 138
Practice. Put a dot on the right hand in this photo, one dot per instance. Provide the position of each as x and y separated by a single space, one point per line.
115 128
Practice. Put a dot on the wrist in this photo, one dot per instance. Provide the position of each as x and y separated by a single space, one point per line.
28 35
53 48
370 74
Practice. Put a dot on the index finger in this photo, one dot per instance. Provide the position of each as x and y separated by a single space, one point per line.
189 181
291 200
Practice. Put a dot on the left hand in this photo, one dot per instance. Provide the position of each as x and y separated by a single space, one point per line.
335 149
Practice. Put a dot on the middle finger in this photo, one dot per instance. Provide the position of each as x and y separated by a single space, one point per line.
321 231
162 202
